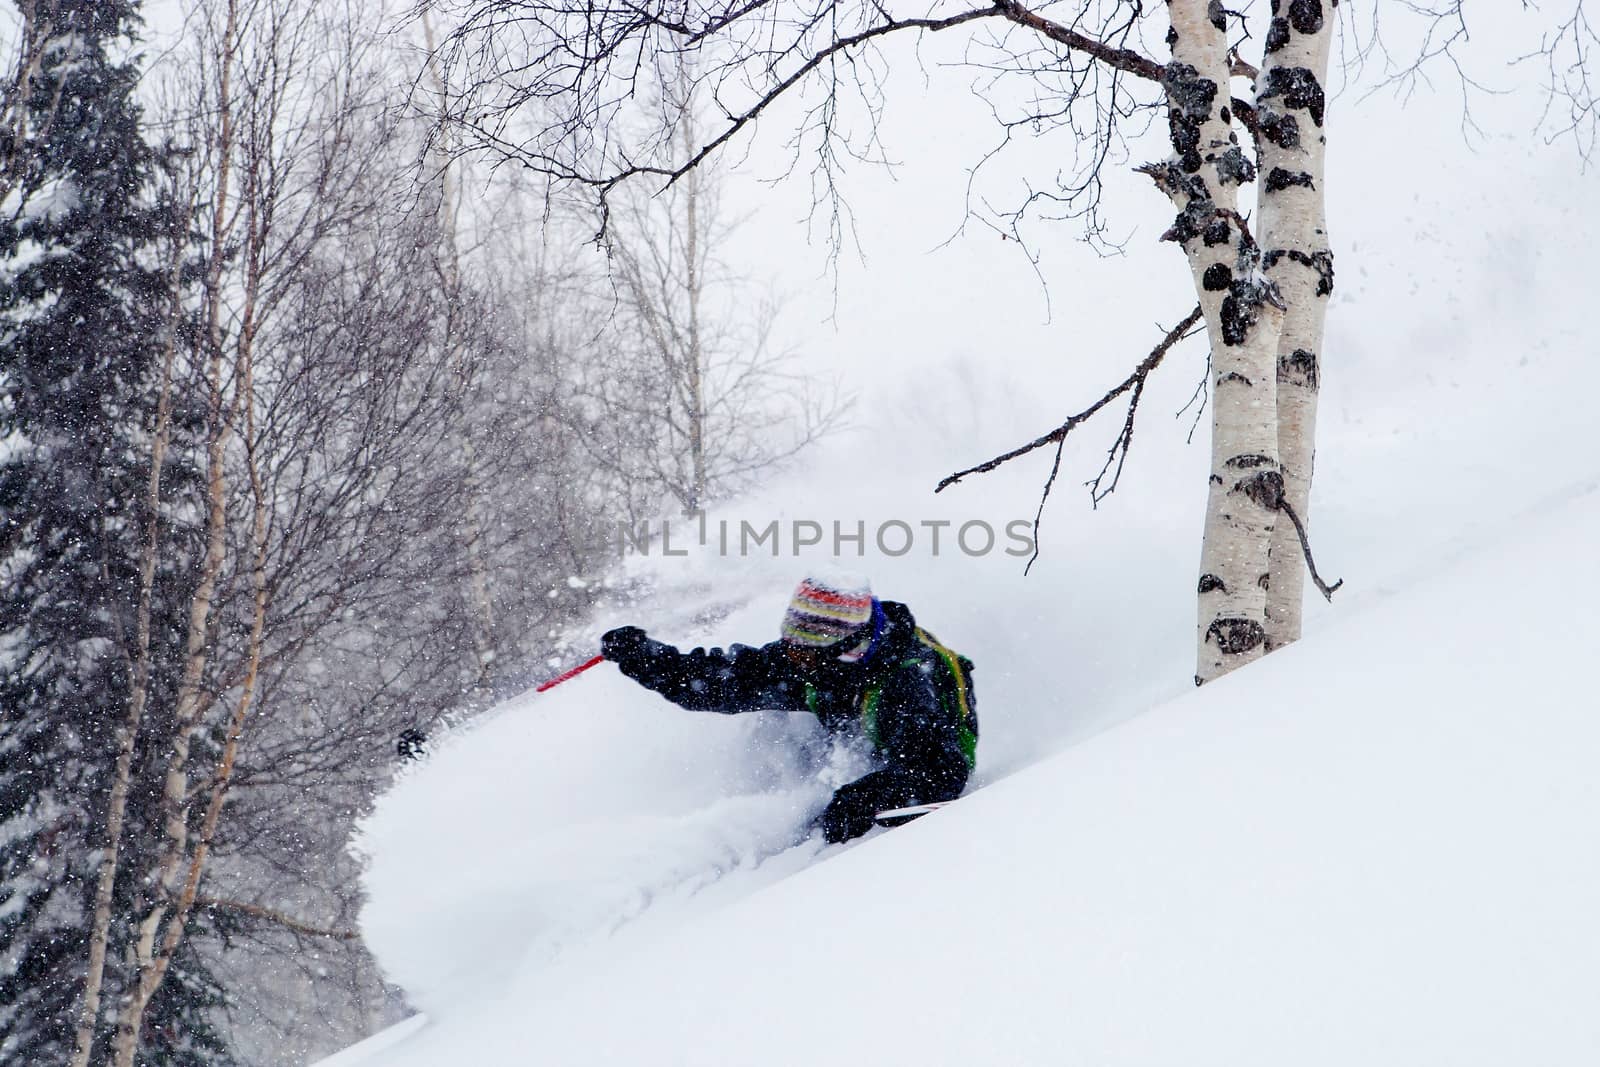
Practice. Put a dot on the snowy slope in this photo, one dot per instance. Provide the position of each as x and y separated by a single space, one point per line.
1374 847
1368 849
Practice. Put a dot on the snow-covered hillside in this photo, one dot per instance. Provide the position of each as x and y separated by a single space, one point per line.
1374 847
1368 849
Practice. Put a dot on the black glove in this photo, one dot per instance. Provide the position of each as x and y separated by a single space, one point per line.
849 814
624 646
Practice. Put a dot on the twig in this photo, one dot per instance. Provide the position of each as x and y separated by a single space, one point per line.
1266 489
1305 546
1038 515
1201 393
1118 451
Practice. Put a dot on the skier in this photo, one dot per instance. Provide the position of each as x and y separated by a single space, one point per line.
854 661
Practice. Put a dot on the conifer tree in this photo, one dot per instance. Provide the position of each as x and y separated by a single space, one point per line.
83 314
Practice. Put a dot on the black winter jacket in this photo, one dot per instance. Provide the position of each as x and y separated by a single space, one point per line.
901 696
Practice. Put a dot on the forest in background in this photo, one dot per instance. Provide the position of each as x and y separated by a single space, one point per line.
312 432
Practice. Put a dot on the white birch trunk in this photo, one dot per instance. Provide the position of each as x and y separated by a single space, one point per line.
190 696
159 958
128 733
1243 319
695 361
1290 106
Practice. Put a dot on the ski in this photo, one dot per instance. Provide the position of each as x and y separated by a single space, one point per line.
900 816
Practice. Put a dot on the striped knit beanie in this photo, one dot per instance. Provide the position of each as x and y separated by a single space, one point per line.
825 611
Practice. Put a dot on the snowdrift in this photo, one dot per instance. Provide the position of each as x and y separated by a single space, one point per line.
1374 847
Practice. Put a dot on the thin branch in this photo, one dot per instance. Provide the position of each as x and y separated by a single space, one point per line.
1305 546
288 922
1124 59
1118 452
1059 434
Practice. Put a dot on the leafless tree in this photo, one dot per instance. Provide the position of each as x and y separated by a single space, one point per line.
329 393
388 524
692 394
564 89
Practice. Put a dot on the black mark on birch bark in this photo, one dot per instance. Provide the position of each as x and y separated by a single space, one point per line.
1217 233
1320 261
1188 223
1299 89
1216 278
1282 130
1249 461
1210 583
1277 34
1265 488
1233 376
1189 100
1235 167
1199 213
1237 318
1218 15
1306 15
1235 636
1279 179
1298 368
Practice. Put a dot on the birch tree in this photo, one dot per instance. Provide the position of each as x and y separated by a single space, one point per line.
448 197
260 430
1291 108
302 438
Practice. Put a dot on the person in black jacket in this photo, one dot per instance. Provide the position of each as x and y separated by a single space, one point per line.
856 663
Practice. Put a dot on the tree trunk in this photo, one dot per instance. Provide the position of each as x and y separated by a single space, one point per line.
1290 109
164 890
127 734
154 970
1243 318
695 358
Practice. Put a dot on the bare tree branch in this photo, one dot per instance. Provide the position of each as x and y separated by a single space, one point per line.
1058 436
288 922
1140 373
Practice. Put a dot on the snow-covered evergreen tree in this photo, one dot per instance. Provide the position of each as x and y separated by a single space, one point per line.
83 316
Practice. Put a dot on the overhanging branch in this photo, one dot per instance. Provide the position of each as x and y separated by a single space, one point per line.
1140 373
608 43
1058 436
1123 59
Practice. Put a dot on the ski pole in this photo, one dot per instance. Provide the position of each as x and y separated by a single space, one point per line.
567 675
